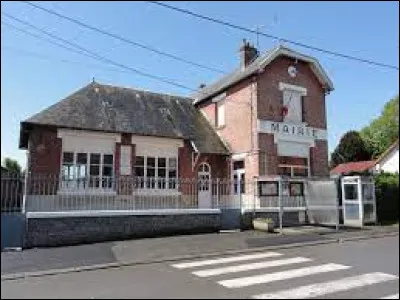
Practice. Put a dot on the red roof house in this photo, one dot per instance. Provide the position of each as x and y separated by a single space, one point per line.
354 167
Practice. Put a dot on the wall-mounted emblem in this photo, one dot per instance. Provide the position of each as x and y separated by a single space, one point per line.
292 71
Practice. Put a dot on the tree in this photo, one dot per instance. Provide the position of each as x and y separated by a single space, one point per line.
384 130
351 148
12 165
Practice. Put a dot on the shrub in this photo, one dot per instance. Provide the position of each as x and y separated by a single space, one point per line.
387 197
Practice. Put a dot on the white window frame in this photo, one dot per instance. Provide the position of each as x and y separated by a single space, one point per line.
156 177
295 93
75 189
292 167
220 113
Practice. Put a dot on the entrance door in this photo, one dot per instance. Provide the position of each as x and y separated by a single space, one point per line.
204 186
352 208
231 211
238 179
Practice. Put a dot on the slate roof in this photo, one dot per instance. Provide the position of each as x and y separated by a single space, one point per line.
257 65
125 110
228 80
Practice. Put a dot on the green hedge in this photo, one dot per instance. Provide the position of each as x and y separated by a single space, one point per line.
387 197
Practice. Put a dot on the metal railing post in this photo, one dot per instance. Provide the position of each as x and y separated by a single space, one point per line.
337 208
217 204
25 191
280 206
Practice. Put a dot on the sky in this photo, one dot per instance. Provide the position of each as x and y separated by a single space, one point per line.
35 74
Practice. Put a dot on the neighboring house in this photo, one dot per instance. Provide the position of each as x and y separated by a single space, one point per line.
268 117
359 167
388 162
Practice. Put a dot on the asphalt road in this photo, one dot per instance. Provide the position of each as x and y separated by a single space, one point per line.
31 260
359 269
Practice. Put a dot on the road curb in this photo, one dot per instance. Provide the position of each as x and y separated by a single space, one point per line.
119 264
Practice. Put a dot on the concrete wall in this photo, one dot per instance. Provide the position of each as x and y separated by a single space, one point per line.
70 230
290 218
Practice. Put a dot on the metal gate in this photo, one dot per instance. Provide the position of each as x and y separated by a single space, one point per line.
12 216
322 203
229 199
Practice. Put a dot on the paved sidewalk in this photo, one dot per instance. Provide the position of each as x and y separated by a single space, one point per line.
167 248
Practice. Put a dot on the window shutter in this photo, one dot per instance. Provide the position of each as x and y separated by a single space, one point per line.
125 160
220 114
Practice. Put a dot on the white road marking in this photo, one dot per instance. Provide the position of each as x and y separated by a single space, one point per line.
225 260
264 278
330 287
395 296
253 266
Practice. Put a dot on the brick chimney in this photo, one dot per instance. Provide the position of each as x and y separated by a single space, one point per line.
247 54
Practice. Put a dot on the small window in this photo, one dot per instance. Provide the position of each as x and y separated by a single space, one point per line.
172 173
108 159
242 183
284 171
301 172
68 168
95 158
107 170
151 172
350 191
81 169
220 114
268 188
162 172
239 164
296 189
139 170
292 100
68 157
94 170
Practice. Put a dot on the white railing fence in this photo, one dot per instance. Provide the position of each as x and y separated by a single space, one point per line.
12 190
53 193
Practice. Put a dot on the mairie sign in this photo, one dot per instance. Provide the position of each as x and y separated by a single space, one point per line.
299 131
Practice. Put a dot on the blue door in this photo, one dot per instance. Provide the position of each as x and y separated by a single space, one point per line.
12 218
12 230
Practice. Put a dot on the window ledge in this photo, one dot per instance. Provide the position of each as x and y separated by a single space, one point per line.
93 191
163 192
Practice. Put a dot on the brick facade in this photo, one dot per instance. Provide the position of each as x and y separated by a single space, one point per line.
44 161
319 159
238 131
45 154
219 164
259 97
209 110
269 155
270 98
44 151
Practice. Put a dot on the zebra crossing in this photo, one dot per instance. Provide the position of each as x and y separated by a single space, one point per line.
226 270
